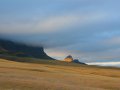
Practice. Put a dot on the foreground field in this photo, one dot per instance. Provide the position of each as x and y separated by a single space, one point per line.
28 76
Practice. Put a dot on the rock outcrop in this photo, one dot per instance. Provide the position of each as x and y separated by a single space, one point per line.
68 59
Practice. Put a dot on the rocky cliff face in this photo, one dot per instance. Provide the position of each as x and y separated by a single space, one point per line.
21 50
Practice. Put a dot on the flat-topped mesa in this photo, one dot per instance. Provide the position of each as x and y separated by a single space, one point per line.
68 59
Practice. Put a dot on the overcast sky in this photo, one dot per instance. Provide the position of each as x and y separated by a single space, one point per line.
86 29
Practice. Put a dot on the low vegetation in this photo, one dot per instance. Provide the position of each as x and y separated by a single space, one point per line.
56 75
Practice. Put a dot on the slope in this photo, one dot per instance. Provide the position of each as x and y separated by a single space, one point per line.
9 48
29 76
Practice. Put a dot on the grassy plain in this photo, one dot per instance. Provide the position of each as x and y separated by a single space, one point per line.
56 76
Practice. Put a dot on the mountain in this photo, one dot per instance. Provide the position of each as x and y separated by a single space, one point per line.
70 59
20 52
10 48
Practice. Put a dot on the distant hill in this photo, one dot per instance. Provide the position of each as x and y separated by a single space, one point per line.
77 61
10 48
70 59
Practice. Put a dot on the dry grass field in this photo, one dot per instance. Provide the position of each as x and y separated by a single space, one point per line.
29 76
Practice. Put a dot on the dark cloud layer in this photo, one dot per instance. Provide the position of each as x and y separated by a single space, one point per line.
87 29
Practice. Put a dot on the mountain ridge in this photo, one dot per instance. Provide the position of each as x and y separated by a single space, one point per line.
11 48
25 53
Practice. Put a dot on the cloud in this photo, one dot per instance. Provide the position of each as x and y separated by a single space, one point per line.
49 24
113 41
55 23
87 29
105 63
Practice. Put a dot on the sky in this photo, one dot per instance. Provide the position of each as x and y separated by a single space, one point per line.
86 29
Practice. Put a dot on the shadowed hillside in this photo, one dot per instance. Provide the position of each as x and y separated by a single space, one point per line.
10 48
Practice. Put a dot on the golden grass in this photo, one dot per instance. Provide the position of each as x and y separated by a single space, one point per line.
28 76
